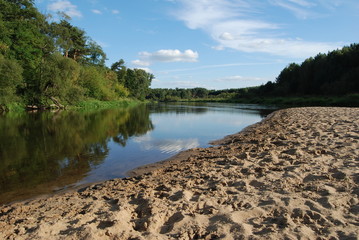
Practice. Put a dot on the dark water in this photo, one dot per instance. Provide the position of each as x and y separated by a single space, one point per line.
47 152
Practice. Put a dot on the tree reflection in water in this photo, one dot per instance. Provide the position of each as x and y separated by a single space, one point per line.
42 151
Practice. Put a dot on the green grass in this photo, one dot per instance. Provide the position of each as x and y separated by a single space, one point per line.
83 105
351 100
15 107
96 104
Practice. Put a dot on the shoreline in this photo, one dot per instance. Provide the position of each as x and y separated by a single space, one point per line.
182 156
293 175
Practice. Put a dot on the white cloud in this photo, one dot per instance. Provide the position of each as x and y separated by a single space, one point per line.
64 6
201 13
235 24
146 69
303 3
177 84
239 79
167 55
278 46
300 8
226 36
140 63
217 66
96 11
115 11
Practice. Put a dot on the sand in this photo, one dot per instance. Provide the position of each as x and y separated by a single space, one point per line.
294 175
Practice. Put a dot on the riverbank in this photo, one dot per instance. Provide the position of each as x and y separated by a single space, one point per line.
82 106
293 175
350 100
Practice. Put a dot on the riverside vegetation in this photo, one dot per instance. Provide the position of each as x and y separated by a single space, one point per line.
45 63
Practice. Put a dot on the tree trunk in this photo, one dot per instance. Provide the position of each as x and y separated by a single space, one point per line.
2 108
57 103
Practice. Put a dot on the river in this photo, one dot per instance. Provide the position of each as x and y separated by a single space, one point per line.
47 152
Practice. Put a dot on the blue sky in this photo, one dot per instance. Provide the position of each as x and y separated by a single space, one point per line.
216 44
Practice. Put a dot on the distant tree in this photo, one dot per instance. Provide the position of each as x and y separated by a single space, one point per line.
184 93
199 93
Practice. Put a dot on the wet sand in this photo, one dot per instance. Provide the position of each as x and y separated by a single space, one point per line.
294 175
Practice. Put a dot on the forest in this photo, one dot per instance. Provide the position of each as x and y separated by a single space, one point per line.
331 75
46 63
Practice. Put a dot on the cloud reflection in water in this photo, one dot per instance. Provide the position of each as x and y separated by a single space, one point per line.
169 146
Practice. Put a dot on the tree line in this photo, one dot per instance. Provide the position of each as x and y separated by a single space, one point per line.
44 62
333 74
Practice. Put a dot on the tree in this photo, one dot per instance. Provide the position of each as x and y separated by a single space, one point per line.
120 69
24 33
100 84
10 80
138 82
286 81
56 62
199 93
70 40
59 76
94 54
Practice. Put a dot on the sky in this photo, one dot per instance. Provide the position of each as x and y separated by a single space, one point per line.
215 44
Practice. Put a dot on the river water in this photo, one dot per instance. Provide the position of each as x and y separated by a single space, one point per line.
47 152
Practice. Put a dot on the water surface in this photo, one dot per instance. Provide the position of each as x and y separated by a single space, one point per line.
46 152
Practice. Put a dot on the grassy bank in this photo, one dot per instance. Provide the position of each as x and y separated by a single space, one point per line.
96 104
83 105
338 101
15 107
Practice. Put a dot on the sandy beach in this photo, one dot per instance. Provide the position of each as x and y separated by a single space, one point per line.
294 175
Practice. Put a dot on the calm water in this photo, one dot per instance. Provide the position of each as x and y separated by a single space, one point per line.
46 152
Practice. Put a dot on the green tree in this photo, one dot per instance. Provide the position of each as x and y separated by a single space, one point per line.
120 69
138 82
32 44
287 79
24 34
98 83
10 80
94 54
70 40
199 92
59 77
